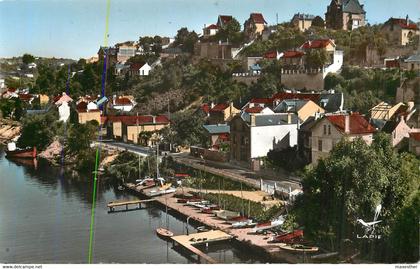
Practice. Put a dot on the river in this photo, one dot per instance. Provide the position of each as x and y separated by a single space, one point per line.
45 218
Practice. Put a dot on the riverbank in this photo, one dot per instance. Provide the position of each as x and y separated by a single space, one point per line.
8 130
257 243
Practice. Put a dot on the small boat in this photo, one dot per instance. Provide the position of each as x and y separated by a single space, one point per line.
145 181
243 224
268 225
237 219
164 233
288 238
186 200
13 152
299 248
161 192
226 214
202 229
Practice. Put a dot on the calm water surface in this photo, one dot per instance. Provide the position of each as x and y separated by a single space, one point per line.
45 218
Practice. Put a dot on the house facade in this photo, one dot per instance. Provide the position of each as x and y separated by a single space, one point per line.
140 69
218 135
125 52
222 113
302 21
210 30
254 136
400 31
302 108
398 130
345 15
254 25
330 129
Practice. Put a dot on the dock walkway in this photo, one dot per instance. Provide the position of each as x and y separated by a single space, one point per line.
188 242
114 204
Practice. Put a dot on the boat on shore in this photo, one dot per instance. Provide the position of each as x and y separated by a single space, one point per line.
13 152
164 233
288 238
299 248
226 214
243 224
261 227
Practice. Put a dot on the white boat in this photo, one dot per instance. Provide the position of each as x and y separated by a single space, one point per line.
266 226
200 204
243 224
161 192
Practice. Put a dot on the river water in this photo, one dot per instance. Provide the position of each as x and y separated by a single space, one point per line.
45 218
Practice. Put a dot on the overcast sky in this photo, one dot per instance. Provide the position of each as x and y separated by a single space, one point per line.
75 28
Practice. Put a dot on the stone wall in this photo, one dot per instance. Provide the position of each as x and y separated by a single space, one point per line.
300 80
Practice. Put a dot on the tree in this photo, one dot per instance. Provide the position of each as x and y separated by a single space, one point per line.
28 58
316 58
81 136
186 39
187 129
38 130
318 22
349 184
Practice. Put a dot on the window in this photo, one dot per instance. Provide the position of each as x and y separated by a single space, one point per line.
319 145
325 129
329 129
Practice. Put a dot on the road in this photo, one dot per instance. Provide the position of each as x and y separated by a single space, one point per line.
223 169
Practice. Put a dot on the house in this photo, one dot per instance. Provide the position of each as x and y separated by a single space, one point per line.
292 58
223 20
302 21
88 111
345 15
324 44
218 134
222 113
305 138
254 136
63 98
210 30
111 55
398 131
255 25
400 31
140 69
385 112
26 97
122 103
140 129
302 108
125 52
330 129
412 63
414 143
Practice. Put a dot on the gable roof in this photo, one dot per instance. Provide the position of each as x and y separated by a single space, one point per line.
296 105
302 96
357 123
268 101
225 19
121 101
217 128
317 44
353 6
292 54
403 23
212 26
302 16
257 18
219 107
254 109
136 66
413 58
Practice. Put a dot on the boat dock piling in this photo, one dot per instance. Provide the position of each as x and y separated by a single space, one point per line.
188 242
111 206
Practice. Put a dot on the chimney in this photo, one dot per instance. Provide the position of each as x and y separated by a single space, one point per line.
252 120
347 123
154 119
289 118
211 105
407 21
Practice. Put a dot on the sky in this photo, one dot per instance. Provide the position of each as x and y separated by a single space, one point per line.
75 28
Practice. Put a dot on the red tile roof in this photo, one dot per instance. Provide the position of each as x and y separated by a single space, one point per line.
317 44
219 107
255 109
81 105
205 108
212 26
257 18
268 101
292 54
301 96
270 55
121 101
136 66
133 120
225 19
25 96
403 23
358 124
415 136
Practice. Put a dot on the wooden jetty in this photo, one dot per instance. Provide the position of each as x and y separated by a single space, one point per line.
112 205
188 242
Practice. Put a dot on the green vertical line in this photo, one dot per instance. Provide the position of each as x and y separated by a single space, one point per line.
92 217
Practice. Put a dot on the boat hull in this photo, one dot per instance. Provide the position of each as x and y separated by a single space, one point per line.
22 153
164 233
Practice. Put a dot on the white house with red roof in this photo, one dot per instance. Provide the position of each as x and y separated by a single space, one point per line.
330 129
210 30
255 25
140 69
400 31
122 103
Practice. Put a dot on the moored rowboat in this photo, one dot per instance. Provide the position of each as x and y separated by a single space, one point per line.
29 153
164 233
299 248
